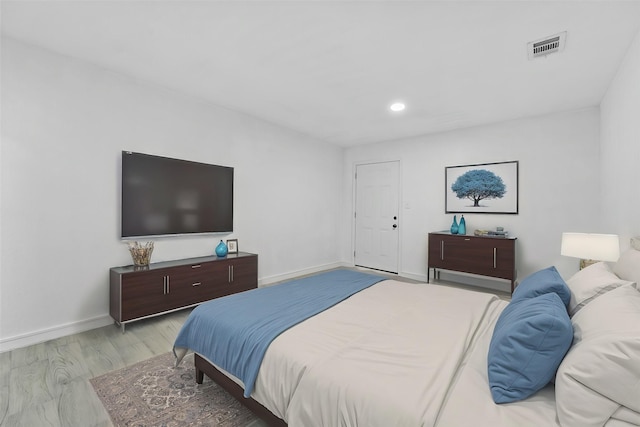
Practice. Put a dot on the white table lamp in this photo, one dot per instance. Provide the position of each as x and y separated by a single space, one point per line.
591 248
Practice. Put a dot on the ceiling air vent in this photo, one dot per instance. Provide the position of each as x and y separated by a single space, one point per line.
546 45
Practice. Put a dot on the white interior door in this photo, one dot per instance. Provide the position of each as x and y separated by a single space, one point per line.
376 216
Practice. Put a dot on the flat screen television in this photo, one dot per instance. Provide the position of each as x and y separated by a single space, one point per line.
162 196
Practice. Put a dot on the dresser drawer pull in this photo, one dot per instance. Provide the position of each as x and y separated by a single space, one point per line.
196 284
196 266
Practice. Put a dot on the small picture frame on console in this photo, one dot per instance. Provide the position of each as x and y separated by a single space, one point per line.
232 246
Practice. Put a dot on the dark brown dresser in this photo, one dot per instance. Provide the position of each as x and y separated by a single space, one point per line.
485 256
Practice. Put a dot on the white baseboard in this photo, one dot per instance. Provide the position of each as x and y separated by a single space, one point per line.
413 276
36 337
271 280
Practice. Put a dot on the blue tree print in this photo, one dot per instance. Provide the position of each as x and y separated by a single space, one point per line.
479 184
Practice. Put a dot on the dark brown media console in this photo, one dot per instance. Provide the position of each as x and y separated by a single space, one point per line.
485 256
139 292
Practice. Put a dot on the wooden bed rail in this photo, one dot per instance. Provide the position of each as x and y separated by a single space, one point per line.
203 367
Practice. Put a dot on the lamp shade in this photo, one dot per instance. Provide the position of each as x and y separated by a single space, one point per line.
601 247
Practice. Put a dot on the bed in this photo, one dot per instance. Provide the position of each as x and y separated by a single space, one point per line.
391 353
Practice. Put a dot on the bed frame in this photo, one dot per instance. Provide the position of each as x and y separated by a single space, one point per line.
204 367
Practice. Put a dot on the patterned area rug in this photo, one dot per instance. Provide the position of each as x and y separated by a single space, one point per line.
156 393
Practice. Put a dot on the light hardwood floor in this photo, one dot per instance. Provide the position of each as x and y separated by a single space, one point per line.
47 384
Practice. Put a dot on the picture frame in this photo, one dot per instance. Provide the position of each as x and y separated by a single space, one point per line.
488 188
232 246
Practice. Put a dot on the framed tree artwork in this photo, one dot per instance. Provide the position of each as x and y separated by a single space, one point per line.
482 188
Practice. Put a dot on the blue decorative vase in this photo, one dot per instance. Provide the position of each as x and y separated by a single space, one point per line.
462 229
454 226
221 249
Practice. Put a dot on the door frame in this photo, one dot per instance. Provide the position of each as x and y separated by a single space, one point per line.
354 169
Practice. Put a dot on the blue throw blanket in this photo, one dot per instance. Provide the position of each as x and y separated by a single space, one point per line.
234 331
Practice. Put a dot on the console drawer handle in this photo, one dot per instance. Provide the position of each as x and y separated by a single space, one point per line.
166 284
196 266
196 284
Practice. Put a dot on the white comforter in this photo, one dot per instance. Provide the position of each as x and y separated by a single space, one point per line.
470 402
395 354
387 356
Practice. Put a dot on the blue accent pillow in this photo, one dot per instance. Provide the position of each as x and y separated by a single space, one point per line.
543 282
530 339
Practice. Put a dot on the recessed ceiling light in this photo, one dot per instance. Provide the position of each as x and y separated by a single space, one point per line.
397 106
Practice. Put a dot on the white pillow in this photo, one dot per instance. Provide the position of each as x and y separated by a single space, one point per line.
628 266
591 282
601 370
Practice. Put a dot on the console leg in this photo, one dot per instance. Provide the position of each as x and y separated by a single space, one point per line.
121 325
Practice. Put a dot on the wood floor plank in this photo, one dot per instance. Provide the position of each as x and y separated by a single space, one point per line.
102 358
43 414
97 336
159 337
66 363
4 401
28 355
27 387
131 348
72 414
5 371
100 350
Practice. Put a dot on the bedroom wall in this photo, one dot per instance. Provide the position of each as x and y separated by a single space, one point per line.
559 183
620 138
64 124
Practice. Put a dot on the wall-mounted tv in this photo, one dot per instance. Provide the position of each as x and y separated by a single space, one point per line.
162 196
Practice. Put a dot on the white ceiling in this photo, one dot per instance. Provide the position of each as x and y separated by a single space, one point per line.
330 69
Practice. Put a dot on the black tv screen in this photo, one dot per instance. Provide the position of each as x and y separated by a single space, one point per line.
163 196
